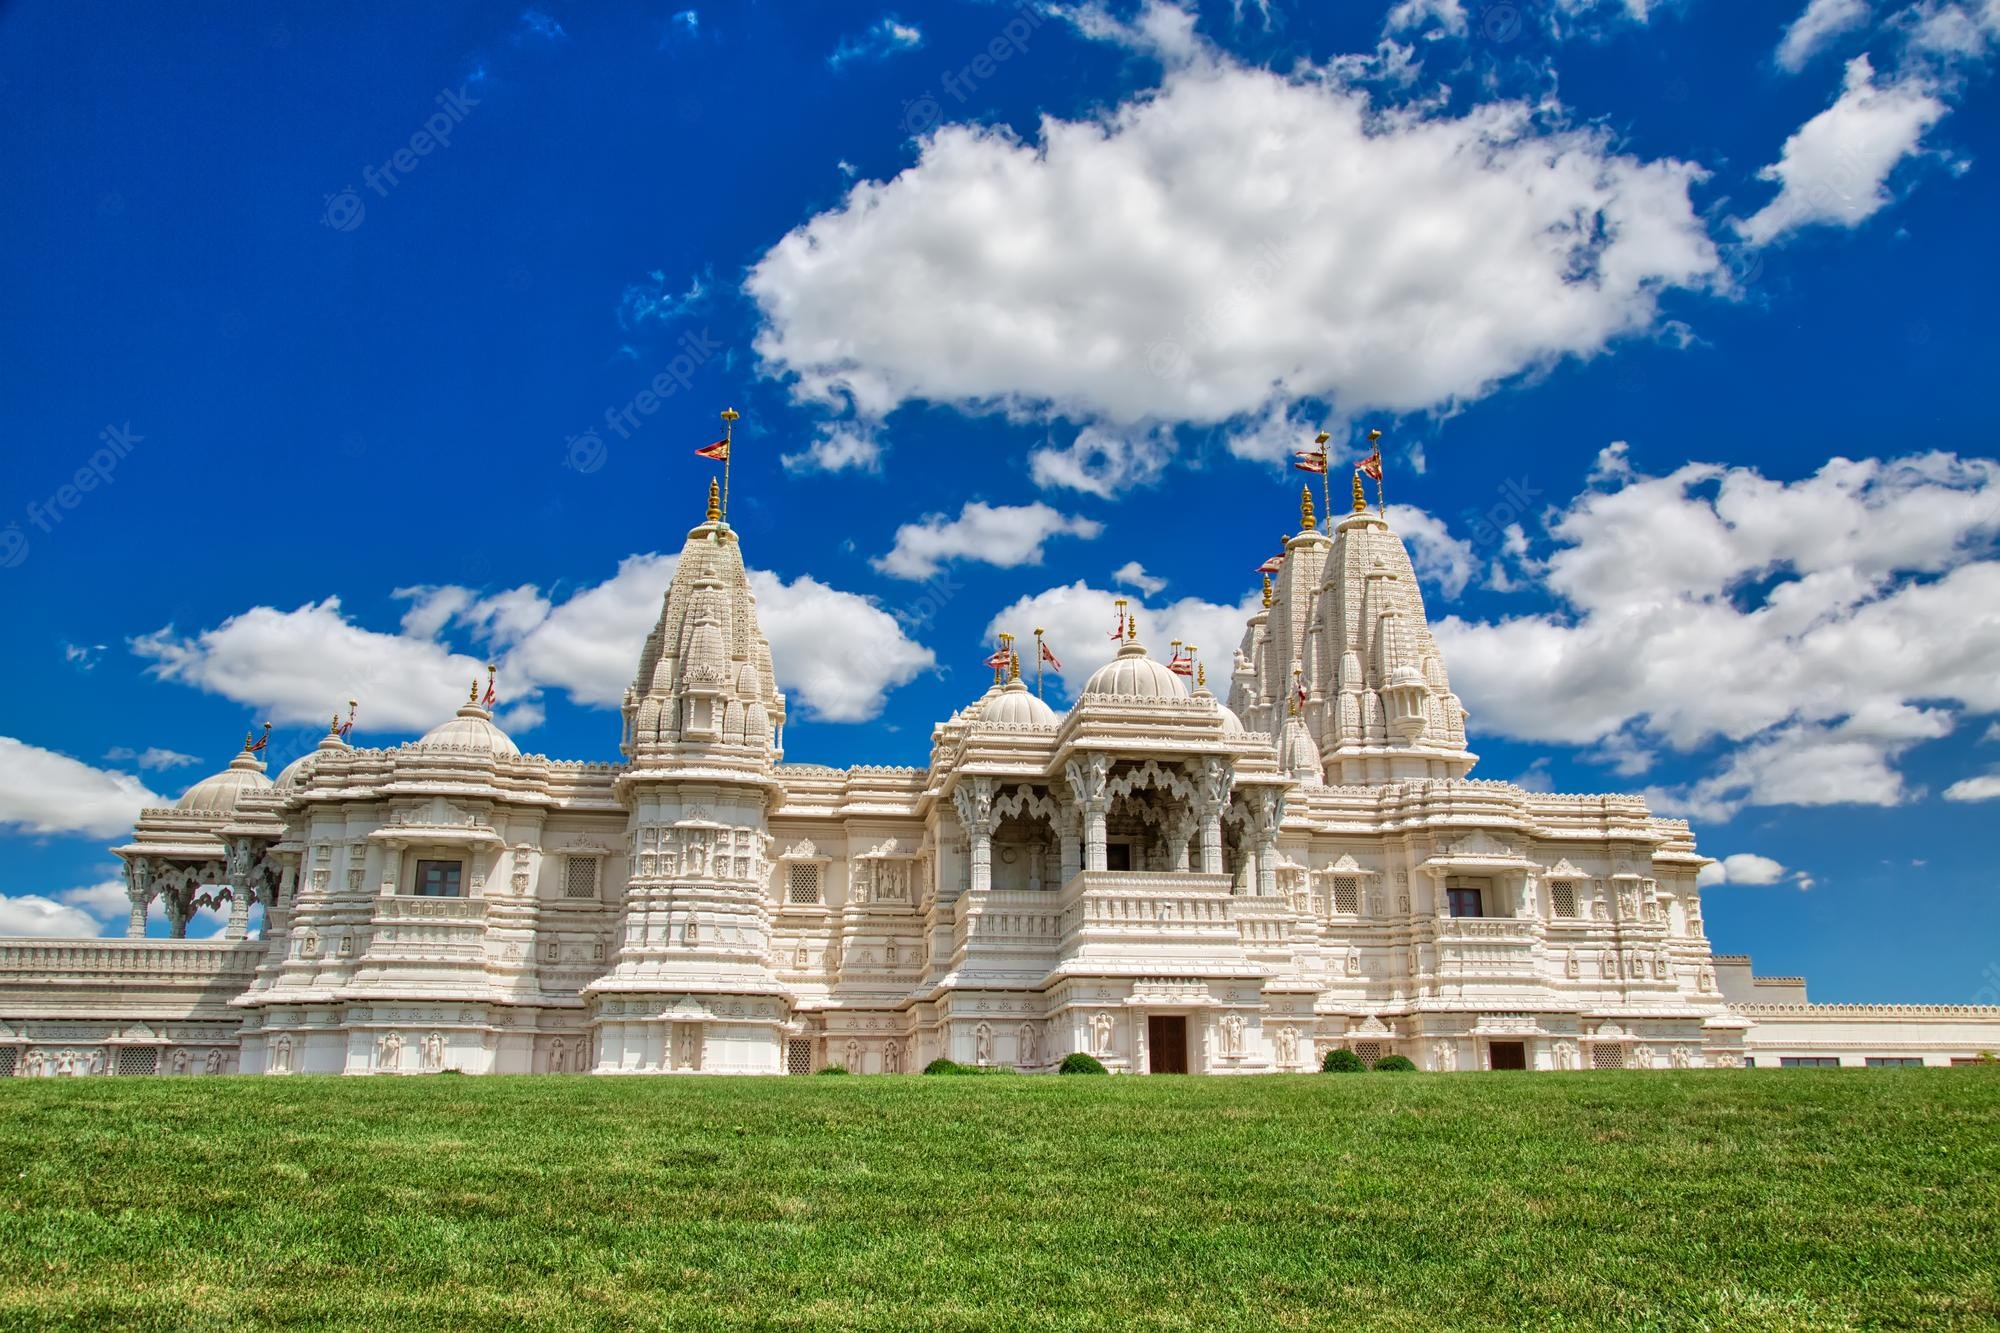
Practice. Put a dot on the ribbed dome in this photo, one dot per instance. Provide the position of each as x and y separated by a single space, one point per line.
221 793
1014 706
1134 675
1232 725
296 772
471 729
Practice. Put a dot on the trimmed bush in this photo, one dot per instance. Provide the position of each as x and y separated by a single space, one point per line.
943 1066
832 1069
1342 1061
1076 1062
1396 1064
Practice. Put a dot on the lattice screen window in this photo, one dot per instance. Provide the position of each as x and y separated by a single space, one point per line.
799 1053
802 883
1346 895
138 1060
580 876
10 1057
1369 1051
1562 897
1607 1057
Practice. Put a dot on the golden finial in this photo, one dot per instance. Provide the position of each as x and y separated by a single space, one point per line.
1306 520
731 414
1269 596
1201 674
1360 500
1374 435
249 739
1013 666
714 500
333 727
1322 437
1131 627
472 695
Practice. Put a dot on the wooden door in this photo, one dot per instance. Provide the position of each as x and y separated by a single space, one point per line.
1508 1054
1166 1044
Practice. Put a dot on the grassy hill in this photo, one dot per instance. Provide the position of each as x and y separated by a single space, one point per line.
1781 1199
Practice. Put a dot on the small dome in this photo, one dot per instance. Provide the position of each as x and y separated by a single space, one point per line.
1014 706
1298 755
221 793
1232 725
296 772
1132 674
471 729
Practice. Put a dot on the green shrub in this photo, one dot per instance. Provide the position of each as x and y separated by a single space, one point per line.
832 1069
1076 1062
944 1066
1342 1061
1396 1064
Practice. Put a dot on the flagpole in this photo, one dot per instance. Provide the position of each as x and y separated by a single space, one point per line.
1325 467
1038 661
729 419
1381 505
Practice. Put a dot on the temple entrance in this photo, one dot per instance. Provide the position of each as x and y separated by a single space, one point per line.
1166 1044
1507 1054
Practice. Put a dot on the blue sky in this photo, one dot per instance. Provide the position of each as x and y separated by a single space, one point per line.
1675 317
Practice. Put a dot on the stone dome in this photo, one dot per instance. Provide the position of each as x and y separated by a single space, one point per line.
296 772
221 793
1014 705
1232 725
1132 674
471 729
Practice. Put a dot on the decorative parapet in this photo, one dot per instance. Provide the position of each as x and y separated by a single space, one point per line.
56 961
1991 1011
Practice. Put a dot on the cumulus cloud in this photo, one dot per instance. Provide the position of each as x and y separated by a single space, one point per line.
1132 574
1438 557
1079 619
1442 15
1003 535
153 757
31 914
291 664
1104 462
1742 868
1985 787
1234 239
1954 33
1818 628
45 792
1835 169
885 37
1814 29
837 447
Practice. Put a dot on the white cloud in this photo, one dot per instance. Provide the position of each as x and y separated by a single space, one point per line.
1811 31
34 915
152 757
1235 239
1079 619
1834 170
1742 868
294 667
1954 32
1132 574
836 447
885 37
1820 628
836 652
45 792
1104 462
1003 535
1447 15
1439 557
1985 787
106 899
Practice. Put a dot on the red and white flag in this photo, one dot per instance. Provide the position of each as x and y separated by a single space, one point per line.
1050 657
999 659
1313 461
719 451
1371 466
1181 666
1119 633
1272 566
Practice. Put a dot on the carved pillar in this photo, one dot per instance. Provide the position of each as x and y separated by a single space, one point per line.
1069 825
176 900
1087 778
1180 832
139 888
974 800
1212 784
1267 811
240 853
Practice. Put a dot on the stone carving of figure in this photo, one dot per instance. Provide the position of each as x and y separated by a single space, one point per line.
179 1063
96 1062
558 1056
1232 1036
982 1045
853 1056
1444 1056
213 1064
1028 1046
892 1057
1100 1033
1565 1055
1570 967
1288 1045
434 1052
281 1055
1353 962
1707 977
33 1066
389 1052
1683 1058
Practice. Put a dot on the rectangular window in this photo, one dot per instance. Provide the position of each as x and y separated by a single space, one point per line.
802 884
1466 902
1562 897
10 1059
138 1060
798 1056
1607 1057
1895 1061
438 879
1346 895
1808 1062
1118 856
1369 1051
580 877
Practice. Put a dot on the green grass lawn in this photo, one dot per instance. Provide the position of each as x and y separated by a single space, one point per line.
1782 1199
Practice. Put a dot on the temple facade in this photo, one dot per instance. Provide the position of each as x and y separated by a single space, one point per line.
1169 880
